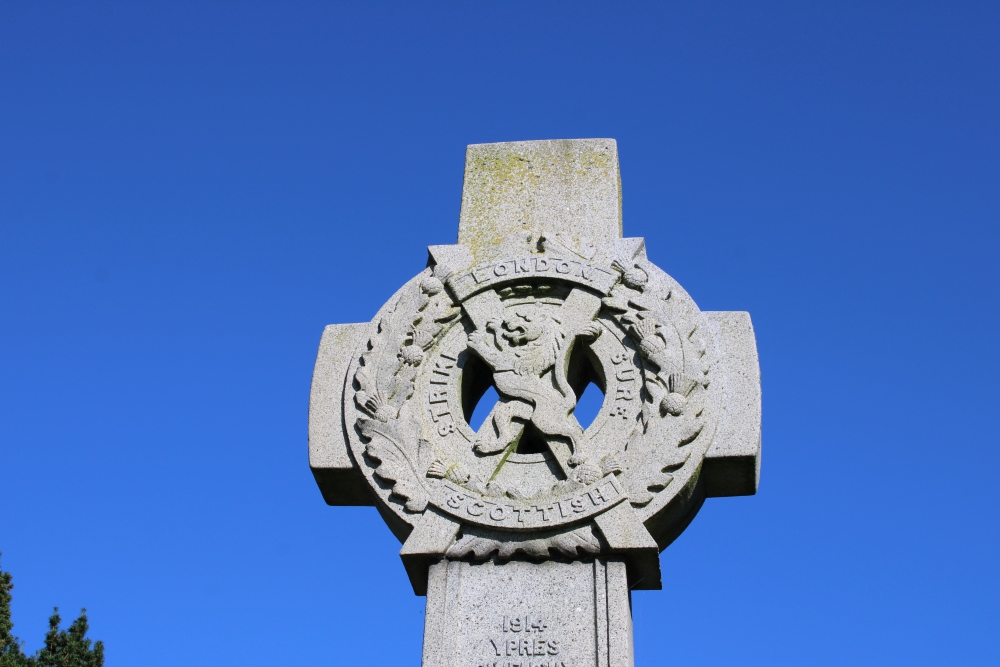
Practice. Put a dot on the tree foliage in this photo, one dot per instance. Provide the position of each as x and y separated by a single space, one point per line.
63 648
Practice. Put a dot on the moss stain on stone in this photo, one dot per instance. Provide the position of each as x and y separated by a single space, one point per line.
504 181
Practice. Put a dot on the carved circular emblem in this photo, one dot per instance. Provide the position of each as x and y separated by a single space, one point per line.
539 329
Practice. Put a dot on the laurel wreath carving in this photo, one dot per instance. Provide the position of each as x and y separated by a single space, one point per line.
673 412
674 390
384 383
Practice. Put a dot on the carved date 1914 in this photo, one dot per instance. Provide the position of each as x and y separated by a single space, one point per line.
538 650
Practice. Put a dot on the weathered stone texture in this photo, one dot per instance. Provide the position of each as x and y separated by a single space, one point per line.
532 516
553 614
512 190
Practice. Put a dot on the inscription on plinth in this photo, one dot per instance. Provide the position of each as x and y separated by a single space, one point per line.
557 615
524 641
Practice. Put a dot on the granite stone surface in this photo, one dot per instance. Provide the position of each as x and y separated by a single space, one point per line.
548 614
532 520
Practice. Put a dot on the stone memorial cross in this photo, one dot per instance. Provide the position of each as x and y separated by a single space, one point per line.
527 534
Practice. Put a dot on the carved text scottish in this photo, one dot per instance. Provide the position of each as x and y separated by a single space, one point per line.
504 513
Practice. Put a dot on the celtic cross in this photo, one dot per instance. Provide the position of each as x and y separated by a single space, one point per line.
527 534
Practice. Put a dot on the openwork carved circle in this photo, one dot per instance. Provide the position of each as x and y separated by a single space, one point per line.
539 329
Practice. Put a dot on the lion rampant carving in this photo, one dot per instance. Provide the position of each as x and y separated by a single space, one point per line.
528 351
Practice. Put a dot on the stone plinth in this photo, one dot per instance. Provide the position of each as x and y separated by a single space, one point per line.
549 614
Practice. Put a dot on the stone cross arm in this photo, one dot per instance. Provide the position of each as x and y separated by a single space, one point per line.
732 464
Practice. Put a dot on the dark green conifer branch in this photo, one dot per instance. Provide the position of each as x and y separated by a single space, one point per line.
63 648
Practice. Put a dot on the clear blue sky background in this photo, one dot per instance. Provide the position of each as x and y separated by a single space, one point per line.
189 192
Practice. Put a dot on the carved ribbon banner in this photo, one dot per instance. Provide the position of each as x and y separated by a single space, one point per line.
492 275
542 514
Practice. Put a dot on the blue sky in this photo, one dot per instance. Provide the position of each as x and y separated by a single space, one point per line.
189 192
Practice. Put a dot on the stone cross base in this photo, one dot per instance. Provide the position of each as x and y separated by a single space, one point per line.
524 614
